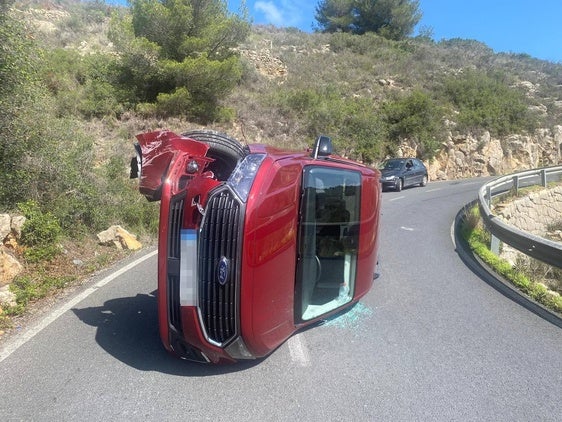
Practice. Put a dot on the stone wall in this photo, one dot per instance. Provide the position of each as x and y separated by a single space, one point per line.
532 214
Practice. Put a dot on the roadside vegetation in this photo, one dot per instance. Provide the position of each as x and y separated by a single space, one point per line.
79 79
541 282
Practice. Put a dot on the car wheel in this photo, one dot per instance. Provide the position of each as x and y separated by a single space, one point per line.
399 184
226 151
424 180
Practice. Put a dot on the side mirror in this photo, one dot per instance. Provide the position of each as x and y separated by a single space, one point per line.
323 147
136 163
134 173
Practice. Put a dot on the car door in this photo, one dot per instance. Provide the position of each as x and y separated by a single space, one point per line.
328 239
418 172
409 173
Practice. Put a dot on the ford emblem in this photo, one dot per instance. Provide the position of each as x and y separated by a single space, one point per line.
223 271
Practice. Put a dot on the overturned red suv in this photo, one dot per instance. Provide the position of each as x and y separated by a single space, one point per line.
255 243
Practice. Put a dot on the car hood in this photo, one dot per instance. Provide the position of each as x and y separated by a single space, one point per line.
387 173
157 150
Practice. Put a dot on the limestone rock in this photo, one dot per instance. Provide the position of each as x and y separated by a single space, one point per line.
11 242
107 236
10 227
9 267
494 153
7 297
128 240
119 237
5 226
470 155
17 224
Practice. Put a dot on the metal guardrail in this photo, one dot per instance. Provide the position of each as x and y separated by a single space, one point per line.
544 250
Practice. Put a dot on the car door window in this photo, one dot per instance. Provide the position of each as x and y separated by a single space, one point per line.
328 240
419 170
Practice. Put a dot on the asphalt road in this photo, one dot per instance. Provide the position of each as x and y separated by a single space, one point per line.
431 341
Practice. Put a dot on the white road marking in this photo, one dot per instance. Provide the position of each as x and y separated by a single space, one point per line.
452 233
410 229
433 190
298 350
395 199
44 322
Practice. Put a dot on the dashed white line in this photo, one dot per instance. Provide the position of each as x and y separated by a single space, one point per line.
395 199
298 350
44 322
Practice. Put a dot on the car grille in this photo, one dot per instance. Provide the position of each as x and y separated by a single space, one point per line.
173 281
220 240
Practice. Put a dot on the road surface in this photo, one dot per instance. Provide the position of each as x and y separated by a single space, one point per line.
431 341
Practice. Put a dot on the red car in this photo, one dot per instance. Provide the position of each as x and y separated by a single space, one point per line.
255 243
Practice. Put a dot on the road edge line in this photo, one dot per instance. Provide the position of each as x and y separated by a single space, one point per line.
35 329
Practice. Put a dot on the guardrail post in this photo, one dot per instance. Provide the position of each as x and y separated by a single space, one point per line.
543 177
495 245
516 185
489 196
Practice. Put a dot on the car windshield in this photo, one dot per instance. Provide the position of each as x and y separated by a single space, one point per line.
391 165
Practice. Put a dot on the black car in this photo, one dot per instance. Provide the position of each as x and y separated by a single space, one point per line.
398 173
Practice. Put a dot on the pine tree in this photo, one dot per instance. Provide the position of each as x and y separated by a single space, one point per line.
179 54
393 19
335 15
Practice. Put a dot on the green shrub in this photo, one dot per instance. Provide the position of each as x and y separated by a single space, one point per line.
25 290
471 219
23 101
178 55
40 232
360 44
487 102
83 86
29 288
418 118
99 100
120 202
354 124
40 227
146 109
177 103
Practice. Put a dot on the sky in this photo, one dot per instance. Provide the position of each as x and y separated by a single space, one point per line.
510 26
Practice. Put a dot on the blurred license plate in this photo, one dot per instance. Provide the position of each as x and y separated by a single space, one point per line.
188 267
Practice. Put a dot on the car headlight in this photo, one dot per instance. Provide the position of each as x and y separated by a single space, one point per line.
243 175
386 178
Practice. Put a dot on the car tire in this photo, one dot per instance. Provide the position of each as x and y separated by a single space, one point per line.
226 151
424 180
399 184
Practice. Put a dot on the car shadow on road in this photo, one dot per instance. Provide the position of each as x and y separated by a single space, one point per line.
127 328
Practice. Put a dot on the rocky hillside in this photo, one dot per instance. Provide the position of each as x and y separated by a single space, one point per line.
281 61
